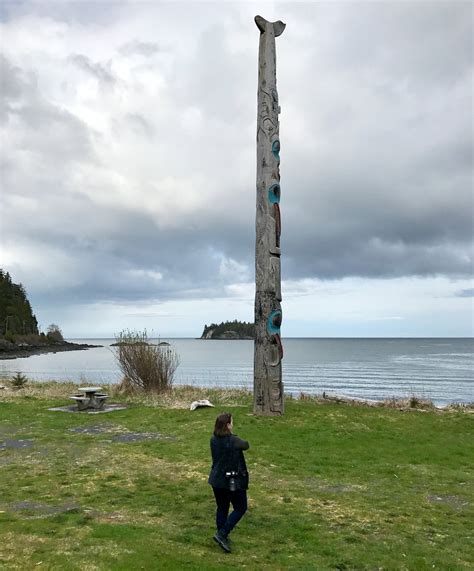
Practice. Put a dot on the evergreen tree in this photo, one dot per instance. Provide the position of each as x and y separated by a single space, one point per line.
16 315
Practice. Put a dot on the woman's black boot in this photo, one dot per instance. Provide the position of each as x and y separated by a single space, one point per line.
221 538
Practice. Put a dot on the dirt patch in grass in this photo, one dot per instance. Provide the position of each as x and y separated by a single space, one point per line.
8 443
454 501
334 488
120 433
98 429
34 510
131 437
123 517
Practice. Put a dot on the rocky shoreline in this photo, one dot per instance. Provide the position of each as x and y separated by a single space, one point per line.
229 336
12 351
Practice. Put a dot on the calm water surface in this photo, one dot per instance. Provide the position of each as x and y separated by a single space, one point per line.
439 369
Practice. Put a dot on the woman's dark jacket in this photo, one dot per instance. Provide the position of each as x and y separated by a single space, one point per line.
227 456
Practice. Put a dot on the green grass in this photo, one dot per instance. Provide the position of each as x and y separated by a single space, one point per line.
332 486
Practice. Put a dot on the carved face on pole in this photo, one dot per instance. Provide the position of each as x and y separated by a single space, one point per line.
268 385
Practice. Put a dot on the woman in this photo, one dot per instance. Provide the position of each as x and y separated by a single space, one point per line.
229 477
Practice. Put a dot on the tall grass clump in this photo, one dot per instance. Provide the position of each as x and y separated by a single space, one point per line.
146 367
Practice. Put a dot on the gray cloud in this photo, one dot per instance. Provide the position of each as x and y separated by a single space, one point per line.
422 44
140 124
84 13
15 85
465 293
11 81
145 190
95 69
136 47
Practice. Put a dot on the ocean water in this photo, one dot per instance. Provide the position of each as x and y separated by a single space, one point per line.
373 369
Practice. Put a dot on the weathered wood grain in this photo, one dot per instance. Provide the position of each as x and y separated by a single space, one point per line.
268 384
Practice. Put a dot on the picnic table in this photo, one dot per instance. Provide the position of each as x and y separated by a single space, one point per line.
90 398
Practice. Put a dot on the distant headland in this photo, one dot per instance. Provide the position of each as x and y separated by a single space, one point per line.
19 332
230 330
10 350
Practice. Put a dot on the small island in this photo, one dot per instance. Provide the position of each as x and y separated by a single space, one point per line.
19 333
229 330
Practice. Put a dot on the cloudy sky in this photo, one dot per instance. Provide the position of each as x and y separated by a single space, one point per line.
128 164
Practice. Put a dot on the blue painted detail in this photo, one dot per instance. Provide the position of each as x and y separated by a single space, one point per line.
276 149
274 193
274 322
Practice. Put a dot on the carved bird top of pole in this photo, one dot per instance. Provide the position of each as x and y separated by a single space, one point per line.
264 25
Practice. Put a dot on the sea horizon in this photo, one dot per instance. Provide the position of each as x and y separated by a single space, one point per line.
289 337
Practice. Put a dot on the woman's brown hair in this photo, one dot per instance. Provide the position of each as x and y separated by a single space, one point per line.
221 428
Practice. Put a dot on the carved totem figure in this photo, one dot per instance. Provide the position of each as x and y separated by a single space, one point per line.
268 384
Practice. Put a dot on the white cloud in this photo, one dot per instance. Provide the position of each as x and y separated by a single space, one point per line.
128 161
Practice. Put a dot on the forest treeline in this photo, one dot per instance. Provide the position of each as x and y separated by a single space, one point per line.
243 330
18 323
16 315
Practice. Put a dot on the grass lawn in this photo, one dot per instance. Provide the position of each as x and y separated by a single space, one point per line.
333 486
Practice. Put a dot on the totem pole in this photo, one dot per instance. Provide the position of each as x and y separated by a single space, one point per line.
268 385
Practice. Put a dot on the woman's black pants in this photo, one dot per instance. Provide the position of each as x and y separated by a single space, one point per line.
224 498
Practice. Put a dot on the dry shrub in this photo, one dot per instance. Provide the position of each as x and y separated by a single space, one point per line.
125 388
413 401
145 366
31 339
461 407
54 334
